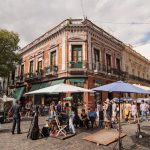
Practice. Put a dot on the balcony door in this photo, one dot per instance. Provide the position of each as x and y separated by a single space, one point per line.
108 63
39 66
53 58
31 67
22 71
96 58
118 64
77 56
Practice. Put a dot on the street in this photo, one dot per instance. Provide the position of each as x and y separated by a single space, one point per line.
20 142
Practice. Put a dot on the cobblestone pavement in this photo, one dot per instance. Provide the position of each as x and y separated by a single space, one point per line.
20 142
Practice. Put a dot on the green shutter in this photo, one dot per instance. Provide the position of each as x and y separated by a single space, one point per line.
18 93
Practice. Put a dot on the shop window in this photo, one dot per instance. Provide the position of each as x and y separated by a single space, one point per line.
79 84
98 97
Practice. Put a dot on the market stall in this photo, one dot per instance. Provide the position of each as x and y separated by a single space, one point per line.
5 105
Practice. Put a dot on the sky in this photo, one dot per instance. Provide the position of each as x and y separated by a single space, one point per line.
127 20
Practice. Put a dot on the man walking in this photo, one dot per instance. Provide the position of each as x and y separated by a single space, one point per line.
143 110
16 111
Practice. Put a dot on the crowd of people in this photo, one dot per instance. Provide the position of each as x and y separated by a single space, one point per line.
105 115
127 111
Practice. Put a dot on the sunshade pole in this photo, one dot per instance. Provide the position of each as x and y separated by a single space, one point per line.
119 139
138 119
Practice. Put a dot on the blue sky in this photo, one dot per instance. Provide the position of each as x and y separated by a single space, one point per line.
32 18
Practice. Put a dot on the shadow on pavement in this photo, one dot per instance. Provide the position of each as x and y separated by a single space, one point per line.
144 141
5 130
146 128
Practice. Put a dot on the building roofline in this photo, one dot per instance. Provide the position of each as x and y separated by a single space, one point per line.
61 26
136 53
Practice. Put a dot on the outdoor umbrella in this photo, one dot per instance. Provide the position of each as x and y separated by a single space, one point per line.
121 87
59 88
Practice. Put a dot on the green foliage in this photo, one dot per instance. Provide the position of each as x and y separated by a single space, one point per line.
8 56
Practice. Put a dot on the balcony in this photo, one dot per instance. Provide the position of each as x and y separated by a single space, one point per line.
99 68
11 83
30 76
76 64
77 67
139 79
19 79
51 71
39 74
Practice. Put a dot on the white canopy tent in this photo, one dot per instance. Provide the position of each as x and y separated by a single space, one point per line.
142 87
59 88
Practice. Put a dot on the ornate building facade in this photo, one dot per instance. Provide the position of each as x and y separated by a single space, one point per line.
76 52
136 66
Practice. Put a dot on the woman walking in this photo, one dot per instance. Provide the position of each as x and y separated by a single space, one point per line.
134 111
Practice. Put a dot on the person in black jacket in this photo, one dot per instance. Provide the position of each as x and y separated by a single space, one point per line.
16 111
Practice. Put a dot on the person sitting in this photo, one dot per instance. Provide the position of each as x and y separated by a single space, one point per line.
84 119
92 116
76 120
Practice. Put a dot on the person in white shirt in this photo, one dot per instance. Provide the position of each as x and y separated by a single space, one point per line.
134 111
143 110
114 111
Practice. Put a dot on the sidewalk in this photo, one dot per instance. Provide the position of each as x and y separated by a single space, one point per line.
20 142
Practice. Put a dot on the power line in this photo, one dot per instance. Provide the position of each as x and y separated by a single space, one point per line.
82 8
130 23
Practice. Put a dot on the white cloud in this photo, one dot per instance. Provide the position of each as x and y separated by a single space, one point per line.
32 18
144 50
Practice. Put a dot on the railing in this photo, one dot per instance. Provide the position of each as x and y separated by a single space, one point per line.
30 75
76 64
19 78
51 70
139 79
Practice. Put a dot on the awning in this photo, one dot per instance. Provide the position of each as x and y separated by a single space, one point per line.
142 87
60 88
57 82
45 84
77 80
35 87
18 93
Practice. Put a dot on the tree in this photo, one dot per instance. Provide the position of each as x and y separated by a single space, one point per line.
8 55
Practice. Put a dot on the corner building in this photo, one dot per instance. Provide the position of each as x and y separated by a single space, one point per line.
75 52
